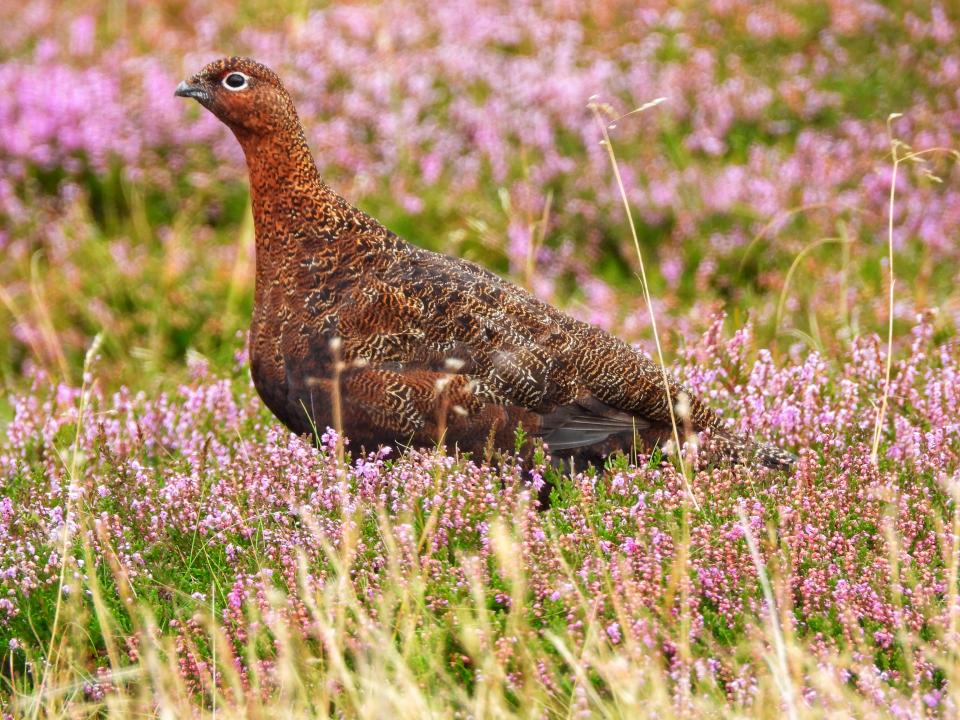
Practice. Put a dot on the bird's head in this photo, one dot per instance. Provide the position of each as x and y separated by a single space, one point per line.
246 96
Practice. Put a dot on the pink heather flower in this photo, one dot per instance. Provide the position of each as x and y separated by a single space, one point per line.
463 114
82 35
613 631
536 480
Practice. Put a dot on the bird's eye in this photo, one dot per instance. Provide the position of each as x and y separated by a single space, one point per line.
235 81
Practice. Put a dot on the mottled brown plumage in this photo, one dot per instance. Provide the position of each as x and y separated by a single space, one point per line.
418 346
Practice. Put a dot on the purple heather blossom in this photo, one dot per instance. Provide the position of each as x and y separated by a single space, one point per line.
419 103
613 632
228 492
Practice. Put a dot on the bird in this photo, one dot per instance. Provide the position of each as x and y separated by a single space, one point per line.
355 328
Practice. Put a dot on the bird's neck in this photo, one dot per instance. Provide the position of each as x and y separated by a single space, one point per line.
283 177
294 211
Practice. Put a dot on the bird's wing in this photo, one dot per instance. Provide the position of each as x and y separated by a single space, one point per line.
584 383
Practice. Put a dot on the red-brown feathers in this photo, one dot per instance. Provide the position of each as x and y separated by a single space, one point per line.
421 347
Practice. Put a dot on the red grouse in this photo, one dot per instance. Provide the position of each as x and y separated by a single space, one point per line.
411 347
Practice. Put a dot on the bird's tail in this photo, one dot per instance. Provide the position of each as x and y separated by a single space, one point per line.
744 451
773 457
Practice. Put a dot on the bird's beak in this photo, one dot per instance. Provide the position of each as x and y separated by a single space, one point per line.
185 89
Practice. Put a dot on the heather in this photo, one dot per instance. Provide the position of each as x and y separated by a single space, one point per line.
169 549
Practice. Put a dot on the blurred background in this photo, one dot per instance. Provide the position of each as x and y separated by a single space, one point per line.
760 186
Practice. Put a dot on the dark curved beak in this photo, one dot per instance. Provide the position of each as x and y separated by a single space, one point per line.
185 89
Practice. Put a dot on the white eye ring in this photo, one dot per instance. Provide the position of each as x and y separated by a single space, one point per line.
233 88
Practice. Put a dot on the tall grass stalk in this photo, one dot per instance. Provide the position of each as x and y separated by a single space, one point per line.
900 152
604 124
895 146
73 468
779 667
